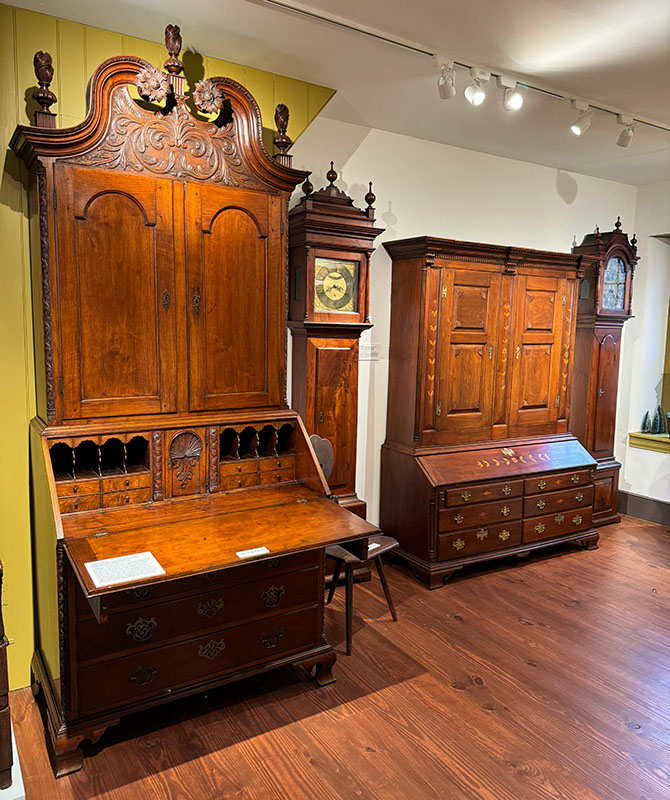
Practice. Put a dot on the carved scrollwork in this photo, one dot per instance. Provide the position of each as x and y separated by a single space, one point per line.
212 649
142 629
171 144
46 290
185 452
272 637
153 84
272 595
157 465
207 97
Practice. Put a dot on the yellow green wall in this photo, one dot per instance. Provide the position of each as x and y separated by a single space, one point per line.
76 50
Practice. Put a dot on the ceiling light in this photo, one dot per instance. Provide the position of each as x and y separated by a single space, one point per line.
512 97
446 83
583 121
475 93
626 135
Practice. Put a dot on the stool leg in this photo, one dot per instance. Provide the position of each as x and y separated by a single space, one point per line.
385 587
334 580
349 571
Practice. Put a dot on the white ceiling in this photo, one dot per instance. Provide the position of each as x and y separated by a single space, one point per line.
614 52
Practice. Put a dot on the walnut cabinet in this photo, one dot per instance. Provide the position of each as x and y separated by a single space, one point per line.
158 242
481 354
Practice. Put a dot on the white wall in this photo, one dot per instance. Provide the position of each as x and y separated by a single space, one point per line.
642 353
424 188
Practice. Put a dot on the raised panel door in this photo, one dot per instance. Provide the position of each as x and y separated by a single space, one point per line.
235 298
335 368
116 288
604 412
540 307
466 352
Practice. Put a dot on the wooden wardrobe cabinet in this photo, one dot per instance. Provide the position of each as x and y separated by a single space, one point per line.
158 251
481 349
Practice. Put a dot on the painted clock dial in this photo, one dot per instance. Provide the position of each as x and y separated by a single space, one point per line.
335 285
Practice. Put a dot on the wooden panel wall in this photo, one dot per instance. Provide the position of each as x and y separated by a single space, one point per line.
77 50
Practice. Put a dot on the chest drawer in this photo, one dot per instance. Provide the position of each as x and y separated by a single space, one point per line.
478 540
482 492
121 681
211 581
119 483
552 525
129 497
85 502
480 514
185 617
245 466
74 488
558 501
562 480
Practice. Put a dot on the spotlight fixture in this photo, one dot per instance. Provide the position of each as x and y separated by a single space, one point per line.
446 83
626 135
475 94
512 97
583 121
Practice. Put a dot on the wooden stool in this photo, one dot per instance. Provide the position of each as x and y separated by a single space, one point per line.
377 546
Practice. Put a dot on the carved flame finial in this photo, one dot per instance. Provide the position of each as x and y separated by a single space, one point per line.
173 65
44 72
370 197
282 141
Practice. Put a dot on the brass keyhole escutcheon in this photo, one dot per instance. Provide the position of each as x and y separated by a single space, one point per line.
575 479
127 482
541 504
320 416
166 300
126 499
196 301
579 497
541 484
466 495
507 490
458 518
505 511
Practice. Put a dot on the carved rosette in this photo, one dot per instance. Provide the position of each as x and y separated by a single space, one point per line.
185 452
157 464
207 97
153 84
173 144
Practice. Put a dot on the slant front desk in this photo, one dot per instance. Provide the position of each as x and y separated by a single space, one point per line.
179 512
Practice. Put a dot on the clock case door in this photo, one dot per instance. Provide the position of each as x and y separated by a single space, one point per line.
361 261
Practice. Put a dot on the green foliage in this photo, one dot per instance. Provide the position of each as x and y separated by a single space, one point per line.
658 422
646 423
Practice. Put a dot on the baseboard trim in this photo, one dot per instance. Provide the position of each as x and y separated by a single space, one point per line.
644 508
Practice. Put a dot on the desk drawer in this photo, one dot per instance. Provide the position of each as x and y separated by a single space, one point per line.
478 540
268 463
185 617
483 491
75 488
245 466
241 481
480 514
277 476
118 682
86 502
120 483
562 480
232 576
557 501
560 524
129 497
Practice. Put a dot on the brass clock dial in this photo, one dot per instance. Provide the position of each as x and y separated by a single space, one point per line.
335 285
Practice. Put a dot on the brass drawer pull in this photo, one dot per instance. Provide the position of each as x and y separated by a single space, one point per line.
459 544
575 479
140 593
127 481
458 518
272 595
577 519
541 484
126 499
144 674
142 629
272 638
75 488
273 563
539 528
559 518
579 497
504 535
212 649
210 607
466 495
76 504
505 511
541 504
507 490
482 534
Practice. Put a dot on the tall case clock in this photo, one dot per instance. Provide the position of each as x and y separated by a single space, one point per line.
330 243
604 305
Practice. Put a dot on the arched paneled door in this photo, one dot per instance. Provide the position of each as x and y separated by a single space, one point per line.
235 297
116 290
607 345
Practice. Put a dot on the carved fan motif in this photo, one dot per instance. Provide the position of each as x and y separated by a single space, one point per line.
185 452
174 144
207 96
153 84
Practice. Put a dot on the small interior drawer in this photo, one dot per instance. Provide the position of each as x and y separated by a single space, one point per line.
85 502
243 466
277 462
72 488
130 481
277 476
131 497
240 481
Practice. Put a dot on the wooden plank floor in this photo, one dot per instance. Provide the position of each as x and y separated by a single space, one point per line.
547 677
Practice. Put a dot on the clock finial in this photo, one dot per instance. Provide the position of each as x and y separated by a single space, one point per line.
370 197
307 187
617 224
331 175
